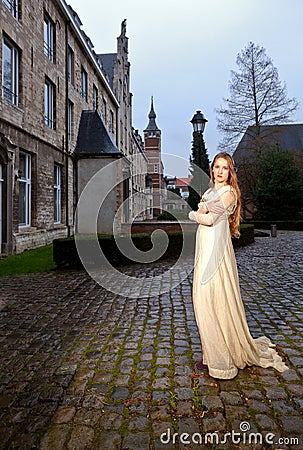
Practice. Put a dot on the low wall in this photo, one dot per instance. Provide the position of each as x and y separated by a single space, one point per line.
33 238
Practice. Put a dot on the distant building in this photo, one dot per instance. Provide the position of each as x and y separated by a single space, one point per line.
173 202
256 141
141 207
182 184
152 144
179 183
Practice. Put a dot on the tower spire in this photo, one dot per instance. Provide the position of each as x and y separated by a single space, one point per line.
152 126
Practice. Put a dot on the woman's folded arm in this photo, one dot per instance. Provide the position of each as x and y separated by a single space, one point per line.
216 208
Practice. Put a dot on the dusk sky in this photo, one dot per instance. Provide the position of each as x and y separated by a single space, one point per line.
182 52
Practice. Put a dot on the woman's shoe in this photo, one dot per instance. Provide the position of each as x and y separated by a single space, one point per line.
201 366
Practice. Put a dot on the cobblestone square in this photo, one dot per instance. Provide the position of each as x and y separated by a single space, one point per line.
85 369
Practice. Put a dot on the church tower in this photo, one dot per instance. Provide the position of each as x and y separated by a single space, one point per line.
152 144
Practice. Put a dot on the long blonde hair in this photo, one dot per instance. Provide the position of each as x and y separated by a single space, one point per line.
235 217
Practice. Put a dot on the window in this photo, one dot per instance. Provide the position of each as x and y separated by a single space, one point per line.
104 110
125 137
49 104
57 193
95 98
49 39
24 189
10 72
12 5
70 119
111 121
156 168
83 84
70 65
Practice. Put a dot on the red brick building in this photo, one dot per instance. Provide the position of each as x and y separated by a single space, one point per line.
152 144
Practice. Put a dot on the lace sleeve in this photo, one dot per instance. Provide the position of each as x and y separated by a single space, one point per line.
217 208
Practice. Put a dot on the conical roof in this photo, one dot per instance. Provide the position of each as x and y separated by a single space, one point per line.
152 126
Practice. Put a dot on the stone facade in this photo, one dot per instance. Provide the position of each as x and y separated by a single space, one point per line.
50 74
141 191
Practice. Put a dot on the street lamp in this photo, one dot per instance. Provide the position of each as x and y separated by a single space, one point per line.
199 160
198 122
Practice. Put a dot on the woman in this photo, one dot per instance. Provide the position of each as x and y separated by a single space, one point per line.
227 344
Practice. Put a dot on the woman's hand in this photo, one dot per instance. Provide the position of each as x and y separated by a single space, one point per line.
202 207
192 216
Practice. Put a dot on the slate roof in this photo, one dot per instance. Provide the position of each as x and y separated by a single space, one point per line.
152 126
108 65
93 138
287 137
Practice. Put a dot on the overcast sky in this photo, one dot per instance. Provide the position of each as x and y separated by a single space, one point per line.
182 52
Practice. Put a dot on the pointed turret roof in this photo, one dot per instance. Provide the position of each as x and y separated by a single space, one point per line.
152 126
93 137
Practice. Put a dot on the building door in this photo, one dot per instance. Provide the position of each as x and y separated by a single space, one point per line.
1 191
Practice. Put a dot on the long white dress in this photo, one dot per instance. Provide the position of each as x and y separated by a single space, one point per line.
227 344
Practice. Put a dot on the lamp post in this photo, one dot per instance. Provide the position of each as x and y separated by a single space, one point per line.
198 122
199 160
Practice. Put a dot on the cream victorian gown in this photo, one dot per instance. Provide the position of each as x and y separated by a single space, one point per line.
227 344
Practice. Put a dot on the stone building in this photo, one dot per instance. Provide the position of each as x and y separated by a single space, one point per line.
53 82
141 184
117 70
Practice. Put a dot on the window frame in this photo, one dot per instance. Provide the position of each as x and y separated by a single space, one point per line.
104 110
26 181
111 121
11 94
57 193
70 65
70 119
95 97
13 7
49 104
49 38
84 83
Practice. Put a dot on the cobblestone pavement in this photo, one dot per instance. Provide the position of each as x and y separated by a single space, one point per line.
82 368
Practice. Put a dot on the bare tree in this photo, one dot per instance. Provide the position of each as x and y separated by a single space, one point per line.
257 97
